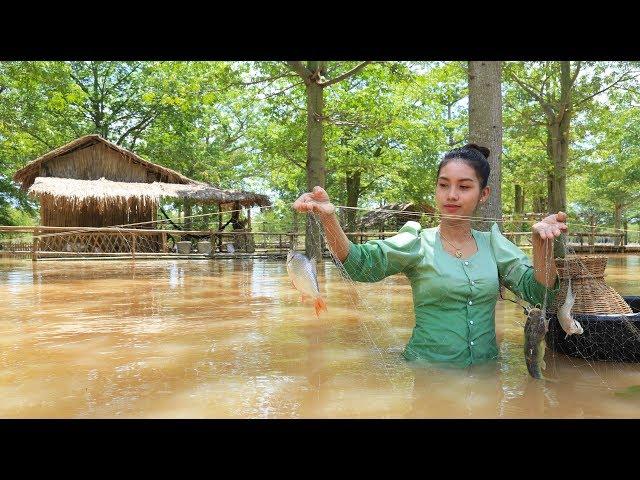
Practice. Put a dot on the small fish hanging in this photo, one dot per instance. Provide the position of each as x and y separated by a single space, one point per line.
304 278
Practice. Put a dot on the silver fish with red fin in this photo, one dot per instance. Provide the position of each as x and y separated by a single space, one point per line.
304 278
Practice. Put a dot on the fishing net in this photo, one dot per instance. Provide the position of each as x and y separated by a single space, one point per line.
607 352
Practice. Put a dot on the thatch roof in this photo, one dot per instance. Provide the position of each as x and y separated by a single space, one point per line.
28 173
102 190
395 212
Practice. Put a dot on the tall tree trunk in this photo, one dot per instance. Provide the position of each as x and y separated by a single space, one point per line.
617 221
518 212
353 193
316 168
549 200
559 132
187 214
449 129
519 200
560 151
485 128
313 76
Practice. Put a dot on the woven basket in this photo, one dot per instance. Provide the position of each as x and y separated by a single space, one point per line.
593 295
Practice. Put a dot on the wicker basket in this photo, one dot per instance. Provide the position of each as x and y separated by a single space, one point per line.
593 295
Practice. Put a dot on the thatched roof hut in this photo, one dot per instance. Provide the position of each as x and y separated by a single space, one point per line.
92 182
394 215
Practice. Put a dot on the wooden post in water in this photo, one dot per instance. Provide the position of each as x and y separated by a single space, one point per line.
164 242
34 247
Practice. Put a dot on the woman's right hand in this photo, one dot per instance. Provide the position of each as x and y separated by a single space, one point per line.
315 202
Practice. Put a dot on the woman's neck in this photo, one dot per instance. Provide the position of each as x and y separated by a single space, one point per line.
455 229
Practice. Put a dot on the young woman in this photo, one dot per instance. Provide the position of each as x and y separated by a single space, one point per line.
454 270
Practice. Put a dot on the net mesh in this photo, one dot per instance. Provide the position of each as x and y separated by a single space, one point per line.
609 344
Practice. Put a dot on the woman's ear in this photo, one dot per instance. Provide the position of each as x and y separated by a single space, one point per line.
484 194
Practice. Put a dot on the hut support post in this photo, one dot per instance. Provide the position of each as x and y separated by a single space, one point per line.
35 247
592 235
133 245
164 242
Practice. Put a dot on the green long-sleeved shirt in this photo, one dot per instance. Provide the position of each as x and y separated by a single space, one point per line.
454 299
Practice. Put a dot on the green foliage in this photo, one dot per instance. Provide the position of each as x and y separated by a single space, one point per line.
242 125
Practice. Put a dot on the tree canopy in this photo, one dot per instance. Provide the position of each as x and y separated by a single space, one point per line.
568 127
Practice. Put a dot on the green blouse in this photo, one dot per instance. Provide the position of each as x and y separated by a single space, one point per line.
454 299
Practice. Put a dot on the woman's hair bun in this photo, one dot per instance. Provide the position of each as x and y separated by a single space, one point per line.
483 150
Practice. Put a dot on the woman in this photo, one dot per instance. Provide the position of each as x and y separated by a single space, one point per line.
454 270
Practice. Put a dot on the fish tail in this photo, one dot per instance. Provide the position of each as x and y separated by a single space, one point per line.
320 304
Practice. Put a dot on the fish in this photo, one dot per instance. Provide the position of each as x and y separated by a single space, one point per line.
568 324
535 329
304 278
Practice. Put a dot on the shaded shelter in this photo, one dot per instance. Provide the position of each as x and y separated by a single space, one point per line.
392 216
92 182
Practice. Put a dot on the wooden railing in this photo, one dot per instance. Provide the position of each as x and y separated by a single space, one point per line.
41 241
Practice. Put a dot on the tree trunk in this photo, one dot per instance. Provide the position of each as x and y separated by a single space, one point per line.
316 168
617 221
314 78
558 130
187 214
540 204
353 193
560 151
549 200
485 129
519 200
518 212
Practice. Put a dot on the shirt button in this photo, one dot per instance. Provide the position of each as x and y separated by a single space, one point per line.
470 302
472 344
471 322
466 263
473 282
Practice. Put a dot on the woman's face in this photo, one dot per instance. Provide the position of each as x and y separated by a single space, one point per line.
458 189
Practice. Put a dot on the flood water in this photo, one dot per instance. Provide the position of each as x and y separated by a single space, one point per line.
231 339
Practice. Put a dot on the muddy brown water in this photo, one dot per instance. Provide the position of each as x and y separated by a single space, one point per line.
231 339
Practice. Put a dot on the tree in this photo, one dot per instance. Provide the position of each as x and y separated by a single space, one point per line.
314 77
485 127
609 179
561 90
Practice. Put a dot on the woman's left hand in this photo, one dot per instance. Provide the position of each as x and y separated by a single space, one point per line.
551 226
